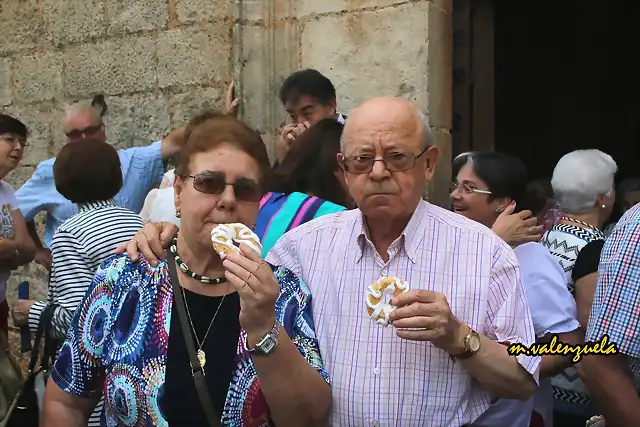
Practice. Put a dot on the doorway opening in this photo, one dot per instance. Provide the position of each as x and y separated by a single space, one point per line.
537 80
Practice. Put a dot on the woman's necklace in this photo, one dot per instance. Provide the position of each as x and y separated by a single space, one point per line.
173 248
202 356
595 229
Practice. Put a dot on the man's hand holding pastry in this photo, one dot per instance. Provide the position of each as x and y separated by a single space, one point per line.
423 315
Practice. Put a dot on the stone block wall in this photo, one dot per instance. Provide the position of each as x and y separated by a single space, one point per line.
160 61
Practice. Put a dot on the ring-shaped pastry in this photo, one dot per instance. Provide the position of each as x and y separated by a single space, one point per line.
377 308
224 238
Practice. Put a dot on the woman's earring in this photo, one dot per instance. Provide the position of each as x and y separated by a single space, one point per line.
498 210
177 213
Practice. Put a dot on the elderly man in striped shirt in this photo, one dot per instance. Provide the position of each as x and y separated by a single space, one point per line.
445 356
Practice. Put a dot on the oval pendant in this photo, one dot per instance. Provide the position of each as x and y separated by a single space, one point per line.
202 358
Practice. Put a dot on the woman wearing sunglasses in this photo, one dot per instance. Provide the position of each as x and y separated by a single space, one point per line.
135 334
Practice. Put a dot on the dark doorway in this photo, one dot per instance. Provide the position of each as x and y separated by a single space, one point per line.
567 77
539 79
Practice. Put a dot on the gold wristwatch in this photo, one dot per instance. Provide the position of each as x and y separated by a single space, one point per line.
471 345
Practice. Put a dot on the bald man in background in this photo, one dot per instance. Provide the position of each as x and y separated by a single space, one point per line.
142 169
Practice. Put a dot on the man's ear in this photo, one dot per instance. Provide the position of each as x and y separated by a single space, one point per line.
431 155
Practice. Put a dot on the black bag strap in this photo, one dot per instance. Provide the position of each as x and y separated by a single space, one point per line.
44 324
50 345
196 371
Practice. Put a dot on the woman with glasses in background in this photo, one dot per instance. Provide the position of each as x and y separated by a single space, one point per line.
16 247
251 322
488 183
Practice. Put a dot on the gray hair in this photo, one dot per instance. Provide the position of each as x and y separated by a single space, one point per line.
80 107
427 135
580 177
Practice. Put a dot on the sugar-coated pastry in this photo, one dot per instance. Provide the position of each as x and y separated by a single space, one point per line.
224 236
377 308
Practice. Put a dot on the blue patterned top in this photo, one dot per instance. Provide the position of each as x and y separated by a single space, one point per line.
118 338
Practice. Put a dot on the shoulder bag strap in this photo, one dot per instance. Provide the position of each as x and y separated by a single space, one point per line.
50 344
196 371
45 319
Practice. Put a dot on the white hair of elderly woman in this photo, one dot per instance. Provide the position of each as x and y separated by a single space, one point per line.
580 177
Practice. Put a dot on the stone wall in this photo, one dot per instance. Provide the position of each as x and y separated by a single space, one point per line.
160 61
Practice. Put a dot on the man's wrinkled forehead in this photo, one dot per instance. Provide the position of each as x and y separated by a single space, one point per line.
80 120
370 131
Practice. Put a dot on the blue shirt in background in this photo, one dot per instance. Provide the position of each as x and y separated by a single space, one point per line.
142 169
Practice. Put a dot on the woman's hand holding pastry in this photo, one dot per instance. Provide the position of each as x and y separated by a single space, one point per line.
258 288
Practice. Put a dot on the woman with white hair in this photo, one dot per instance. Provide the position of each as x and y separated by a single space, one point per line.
583 184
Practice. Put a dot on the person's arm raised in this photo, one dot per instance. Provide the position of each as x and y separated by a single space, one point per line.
517 228
151 241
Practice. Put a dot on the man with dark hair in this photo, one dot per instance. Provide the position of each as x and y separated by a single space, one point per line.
308 97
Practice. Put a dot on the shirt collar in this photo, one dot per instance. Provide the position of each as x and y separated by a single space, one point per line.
96 205
341 118
410 238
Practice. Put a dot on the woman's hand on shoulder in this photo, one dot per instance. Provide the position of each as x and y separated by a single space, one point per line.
151 241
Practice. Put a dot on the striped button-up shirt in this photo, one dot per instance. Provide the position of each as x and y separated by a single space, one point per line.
377 378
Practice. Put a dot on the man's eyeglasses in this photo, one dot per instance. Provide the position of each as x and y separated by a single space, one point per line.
215 183
13 138
466 188
88 131
395 161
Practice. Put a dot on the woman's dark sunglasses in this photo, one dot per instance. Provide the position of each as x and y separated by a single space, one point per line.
215 182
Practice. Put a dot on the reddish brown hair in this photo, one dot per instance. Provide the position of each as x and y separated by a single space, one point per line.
211 129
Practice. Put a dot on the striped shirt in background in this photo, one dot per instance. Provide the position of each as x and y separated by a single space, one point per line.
280 213
378 378
78 248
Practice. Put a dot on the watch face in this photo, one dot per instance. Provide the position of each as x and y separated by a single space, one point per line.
474 343
267 346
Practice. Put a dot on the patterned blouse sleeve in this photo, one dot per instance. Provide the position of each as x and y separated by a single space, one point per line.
293 311
78 369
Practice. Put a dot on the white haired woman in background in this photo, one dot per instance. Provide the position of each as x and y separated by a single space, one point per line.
583 184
